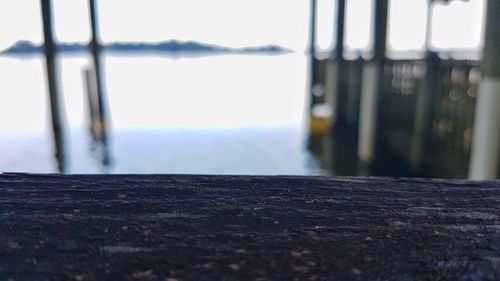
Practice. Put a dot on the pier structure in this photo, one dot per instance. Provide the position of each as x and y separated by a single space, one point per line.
95 88
430 115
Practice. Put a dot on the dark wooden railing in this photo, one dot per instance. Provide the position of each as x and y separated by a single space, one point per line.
175 227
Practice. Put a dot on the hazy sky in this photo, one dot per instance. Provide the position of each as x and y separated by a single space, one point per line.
239 23
225 22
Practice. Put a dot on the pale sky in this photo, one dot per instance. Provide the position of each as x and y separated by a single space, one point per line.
230 23
241 23
459 25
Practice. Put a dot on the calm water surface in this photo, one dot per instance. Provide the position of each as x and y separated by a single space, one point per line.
231 114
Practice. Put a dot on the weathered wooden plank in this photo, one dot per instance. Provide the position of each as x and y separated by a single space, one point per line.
180 227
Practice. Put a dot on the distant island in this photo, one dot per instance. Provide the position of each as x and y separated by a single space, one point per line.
170 47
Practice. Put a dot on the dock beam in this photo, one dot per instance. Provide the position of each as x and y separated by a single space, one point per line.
486 141
371 86
49 49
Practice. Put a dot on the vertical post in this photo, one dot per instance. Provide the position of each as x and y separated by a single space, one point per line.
486 141
312 50
312 27
424 113
338 55
54 98
425 102
340 24
372 85
94 43
95 48
380 29
342 147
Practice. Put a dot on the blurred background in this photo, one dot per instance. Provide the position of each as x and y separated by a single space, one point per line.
302 87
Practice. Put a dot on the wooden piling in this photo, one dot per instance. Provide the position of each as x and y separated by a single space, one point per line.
484 163
49 49
312 51
424 103
100 103
371 86
424 113
338 56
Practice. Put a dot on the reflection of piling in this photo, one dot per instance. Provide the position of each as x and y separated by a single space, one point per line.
54 98
95 88
486 142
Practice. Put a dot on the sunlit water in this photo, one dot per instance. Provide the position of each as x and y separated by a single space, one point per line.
226 114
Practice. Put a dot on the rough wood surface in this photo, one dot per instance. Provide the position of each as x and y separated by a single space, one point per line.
247 228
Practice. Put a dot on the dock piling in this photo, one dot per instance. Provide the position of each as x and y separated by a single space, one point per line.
371 86
486 141
49 49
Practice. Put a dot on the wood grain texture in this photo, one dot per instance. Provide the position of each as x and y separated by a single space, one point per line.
186 227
